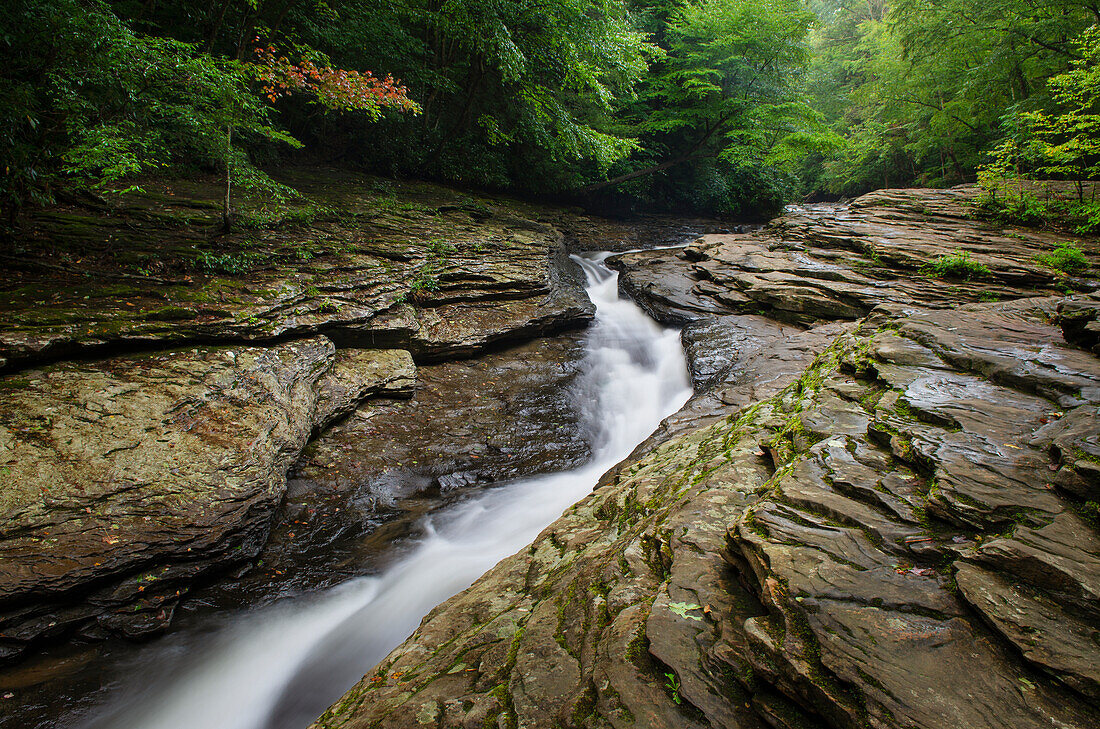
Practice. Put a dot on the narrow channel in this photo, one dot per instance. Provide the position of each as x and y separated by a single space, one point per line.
281 666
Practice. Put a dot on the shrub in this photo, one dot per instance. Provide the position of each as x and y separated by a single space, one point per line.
956 265
229 263
1067 258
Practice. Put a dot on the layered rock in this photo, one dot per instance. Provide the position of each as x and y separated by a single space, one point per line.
1079 318
366 481
880 543
823 263
125 480
886 521
128 479
437 278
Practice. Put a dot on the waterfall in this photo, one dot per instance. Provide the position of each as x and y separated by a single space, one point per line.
281 666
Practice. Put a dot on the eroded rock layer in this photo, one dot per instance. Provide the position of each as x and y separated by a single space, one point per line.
884 542
437 273
127 477
363 484
885 521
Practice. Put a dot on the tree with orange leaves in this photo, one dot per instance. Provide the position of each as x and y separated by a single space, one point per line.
334 89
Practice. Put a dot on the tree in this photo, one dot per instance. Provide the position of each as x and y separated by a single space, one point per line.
1069 138
920 88
331 88
89 102
726 93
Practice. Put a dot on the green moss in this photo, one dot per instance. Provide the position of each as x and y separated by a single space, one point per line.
1089 511
797 623
638 647
14 383
563 601
616 700
169 313
513 648
754 525
506 717
1080 454
585 706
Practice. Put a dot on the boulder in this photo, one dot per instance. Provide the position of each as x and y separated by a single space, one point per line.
124 480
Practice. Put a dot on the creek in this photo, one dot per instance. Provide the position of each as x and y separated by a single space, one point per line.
280 666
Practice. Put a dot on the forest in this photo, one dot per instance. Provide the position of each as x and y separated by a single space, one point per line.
557 364
725 107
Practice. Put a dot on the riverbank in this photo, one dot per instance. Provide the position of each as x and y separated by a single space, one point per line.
738 569
161 381
182 443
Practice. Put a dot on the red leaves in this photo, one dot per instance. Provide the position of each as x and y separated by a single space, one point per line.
335 88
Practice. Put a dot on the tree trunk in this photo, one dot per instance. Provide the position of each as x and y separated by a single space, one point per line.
227 213
217 27
473 80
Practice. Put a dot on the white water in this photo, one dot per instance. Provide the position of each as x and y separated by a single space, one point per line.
282 666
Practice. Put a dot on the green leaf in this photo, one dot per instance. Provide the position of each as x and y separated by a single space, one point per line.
682 608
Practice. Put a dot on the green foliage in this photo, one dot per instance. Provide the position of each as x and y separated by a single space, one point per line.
88 101
922 89
1067 258
722 122
514 93
1088 215
1023 208
1063 143
276 212
958 264
1070 137
672 685
425 281
229 263
726 106
1005 201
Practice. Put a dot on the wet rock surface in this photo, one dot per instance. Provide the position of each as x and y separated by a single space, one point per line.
867 546
125 480
363 484
354 496
888 520
435 272
822 263
878 510
1079 317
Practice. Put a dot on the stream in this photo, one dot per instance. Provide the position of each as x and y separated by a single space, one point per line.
281 666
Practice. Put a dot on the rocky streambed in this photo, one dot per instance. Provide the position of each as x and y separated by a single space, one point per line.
178 447
879 508
128 477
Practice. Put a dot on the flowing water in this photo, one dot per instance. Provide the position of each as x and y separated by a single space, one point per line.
281 666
